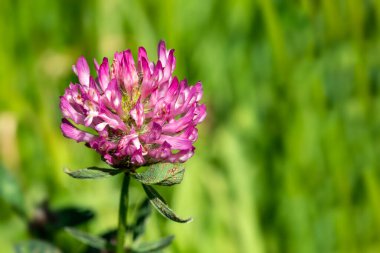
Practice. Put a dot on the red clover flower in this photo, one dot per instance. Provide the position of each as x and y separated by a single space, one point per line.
141 114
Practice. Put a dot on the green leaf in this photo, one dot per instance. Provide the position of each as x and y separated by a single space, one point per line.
10 191
92 173
159 203
143 213
35 246
71 216
91 240
165 174
153 246
56 219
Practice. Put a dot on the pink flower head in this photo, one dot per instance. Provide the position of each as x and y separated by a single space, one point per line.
140 114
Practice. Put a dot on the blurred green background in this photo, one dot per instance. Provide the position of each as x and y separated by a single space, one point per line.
288 157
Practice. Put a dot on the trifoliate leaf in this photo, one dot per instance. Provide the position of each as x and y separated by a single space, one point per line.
90 240
165 174
92 173
35 246
153 246
159 203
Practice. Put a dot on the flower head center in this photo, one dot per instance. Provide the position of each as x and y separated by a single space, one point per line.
129 102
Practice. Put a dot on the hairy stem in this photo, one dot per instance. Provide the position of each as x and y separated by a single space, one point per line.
123 211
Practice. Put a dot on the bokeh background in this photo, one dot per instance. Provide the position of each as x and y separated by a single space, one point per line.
288 158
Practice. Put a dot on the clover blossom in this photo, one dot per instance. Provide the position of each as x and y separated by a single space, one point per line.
141 114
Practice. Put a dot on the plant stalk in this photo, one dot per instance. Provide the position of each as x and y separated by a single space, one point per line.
123 212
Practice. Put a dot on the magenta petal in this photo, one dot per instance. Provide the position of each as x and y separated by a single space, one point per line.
70 131
96 65
200 114
101 126
152 134
69 112
162 52
176 142
104 74
119 56
190 133
142 54
137 113
111 119
163 152
82 70
170 65
198 91
102 145
182 156
172 93
127 144
128 73
93 91
114 96
155 132
145 69
180 124
137 157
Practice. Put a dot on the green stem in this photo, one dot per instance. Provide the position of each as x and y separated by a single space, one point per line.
123 211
